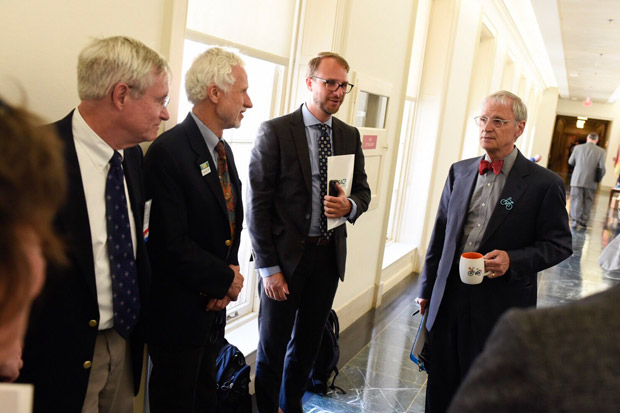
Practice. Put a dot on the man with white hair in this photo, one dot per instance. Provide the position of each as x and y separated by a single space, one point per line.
84 348
586 159
505 207
195 231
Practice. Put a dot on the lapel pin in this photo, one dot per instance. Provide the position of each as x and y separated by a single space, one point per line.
205 168
508 203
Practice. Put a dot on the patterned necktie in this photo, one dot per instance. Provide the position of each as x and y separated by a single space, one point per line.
486 166
125 298
325 150
222 171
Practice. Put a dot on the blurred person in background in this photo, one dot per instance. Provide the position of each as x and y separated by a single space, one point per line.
32 187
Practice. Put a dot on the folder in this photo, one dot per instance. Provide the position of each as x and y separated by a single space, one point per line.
419 351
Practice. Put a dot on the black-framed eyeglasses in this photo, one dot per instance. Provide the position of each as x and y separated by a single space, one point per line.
497 123
333 86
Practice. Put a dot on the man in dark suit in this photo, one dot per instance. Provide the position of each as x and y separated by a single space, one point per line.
561 359
507 208
195 231
84 347
298 259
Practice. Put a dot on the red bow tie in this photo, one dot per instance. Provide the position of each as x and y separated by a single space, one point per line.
486 166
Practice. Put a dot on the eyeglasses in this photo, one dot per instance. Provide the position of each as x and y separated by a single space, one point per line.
163 101
333 86
497 123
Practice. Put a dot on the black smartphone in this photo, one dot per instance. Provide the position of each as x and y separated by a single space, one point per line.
333 189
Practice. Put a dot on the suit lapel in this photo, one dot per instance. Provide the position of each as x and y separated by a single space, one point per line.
203 156
234 176
338 143
513 190
298 132
132 178
461 196
73 216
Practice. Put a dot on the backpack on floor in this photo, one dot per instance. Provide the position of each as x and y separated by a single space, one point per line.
233 381
326 361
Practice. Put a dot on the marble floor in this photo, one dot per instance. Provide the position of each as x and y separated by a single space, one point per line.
375 369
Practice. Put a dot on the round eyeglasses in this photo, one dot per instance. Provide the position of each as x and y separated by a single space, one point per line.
497 123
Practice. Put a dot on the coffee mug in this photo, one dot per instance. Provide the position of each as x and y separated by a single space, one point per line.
471 268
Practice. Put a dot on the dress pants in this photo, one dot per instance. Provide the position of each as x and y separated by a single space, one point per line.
456 338
291 331
581 200
110 385
183 378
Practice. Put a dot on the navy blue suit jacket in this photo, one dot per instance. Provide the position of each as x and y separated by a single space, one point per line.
61 336
190 243
534 232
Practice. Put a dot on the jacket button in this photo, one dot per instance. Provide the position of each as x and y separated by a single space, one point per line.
87 364
228 242
92 323
307 216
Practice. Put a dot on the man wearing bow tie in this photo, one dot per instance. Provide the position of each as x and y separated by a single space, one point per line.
513 212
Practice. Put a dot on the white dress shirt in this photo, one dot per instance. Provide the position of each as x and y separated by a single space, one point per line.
94 156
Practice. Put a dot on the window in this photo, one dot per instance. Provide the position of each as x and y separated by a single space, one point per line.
401 172
265 81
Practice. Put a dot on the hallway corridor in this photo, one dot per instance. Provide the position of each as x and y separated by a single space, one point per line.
375 369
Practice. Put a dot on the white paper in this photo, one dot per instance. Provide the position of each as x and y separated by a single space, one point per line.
340 168
16 398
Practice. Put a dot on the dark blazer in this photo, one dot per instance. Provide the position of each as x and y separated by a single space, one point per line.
280 195
560 359
534 232
190 244
61 334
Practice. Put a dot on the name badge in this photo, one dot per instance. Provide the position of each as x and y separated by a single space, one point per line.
205 168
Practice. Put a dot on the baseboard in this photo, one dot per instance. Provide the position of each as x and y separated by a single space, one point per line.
355 308
398 271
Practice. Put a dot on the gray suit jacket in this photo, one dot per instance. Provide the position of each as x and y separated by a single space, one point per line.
562 359
585 158
280 196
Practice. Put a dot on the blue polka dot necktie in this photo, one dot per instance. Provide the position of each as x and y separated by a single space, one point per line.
125 299
325 150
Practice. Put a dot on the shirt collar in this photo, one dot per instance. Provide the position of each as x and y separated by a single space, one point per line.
509 160
210 138
311 120
98 151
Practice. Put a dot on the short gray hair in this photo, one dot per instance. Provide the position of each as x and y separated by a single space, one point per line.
213 66
503 97
103 63
593 136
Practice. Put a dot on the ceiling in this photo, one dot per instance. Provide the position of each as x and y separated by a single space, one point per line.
582 38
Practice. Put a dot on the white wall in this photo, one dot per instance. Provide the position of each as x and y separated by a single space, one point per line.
41 41
545 122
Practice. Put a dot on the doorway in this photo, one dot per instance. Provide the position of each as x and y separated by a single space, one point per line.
567 135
